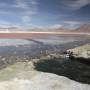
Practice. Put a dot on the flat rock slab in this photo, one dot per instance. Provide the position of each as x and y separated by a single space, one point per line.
43 81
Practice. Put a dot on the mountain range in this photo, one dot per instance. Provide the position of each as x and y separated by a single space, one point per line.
85 28
82 29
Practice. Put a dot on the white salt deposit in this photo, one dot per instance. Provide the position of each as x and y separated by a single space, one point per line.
43 81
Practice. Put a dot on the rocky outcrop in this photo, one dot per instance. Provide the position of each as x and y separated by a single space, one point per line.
43 81
81 51
23 76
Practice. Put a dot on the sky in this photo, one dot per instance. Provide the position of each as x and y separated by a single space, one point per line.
44 13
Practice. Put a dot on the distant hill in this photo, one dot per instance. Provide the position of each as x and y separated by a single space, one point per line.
84 28
62 29
11 29
59 29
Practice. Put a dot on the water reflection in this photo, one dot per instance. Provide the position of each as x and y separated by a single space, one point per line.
8 42
59 40
51 40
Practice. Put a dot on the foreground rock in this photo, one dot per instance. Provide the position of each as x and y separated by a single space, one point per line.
81 51
23 76
43 81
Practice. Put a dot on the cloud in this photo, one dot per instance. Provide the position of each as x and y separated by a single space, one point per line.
55 26
72 24
23 9
26 18
76 4
6 24
29 8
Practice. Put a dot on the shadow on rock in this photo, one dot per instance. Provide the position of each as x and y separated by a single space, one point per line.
72 69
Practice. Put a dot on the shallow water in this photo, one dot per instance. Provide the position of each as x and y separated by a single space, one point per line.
53 40
58 40
33 47
8 42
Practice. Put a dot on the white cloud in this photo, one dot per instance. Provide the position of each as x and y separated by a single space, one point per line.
6 24
72 24
29 8
55 26
26 18
24 9
76 4
22 4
